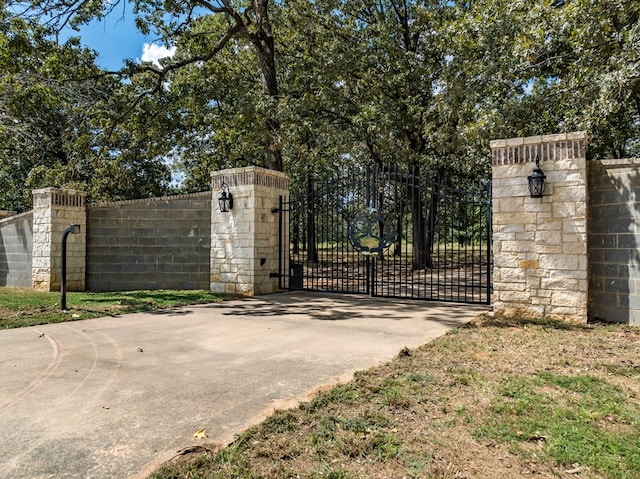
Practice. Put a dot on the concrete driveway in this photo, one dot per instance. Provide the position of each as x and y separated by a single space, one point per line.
115 397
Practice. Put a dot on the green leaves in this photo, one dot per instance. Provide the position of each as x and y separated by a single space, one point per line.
300 83
61 122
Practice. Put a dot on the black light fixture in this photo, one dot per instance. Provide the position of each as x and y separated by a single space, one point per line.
226 199
73 229
536 181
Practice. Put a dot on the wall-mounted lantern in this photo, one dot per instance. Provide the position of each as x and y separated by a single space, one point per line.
536 181
226 199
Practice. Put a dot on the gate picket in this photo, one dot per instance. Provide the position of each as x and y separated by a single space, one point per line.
391 232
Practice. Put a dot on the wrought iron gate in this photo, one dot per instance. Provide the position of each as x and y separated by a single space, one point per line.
388 231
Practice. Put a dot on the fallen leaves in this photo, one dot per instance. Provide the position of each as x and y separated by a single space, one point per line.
201 433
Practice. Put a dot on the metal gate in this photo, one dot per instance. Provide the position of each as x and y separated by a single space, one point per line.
388 231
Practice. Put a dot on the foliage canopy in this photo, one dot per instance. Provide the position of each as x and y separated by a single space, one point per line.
294 84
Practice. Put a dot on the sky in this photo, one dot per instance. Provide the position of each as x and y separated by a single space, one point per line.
116 39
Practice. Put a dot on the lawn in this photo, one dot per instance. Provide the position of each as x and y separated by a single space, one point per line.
25 307
487 401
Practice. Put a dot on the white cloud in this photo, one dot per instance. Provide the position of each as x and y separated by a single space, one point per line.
154 53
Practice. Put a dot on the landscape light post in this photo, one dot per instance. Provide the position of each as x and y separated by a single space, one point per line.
73 229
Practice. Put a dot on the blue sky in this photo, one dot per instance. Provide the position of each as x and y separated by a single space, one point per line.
116 38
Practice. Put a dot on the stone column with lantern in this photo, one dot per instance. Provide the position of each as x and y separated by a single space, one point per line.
540 227
245 229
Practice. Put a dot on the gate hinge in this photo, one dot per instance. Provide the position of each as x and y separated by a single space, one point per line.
275 210
274 275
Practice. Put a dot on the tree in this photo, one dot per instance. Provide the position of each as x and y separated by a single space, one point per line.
35 107
377 71
557 66
173 21
291 85
56 106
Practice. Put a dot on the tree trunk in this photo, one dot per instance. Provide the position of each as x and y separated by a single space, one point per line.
424 226
397 250
419 230
312 244
433 216
262 40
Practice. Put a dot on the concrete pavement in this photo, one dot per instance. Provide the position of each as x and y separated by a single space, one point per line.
116 397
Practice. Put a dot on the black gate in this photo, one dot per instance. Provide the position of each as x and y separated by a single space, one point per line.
388 231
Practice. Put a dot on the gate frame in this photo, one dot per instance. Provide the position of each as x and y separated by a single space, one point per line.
371 280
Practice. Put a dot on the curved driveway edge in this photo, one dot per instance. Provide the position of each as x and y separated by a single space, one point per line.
115 397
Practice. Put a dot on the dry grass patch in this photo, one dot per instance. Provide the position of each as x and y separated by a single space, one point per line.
488 401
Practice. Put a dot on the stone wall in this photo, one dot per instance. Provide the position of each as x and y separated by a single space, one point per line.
614 241
540 244
16 249
176 242
245 241
54 210
157 243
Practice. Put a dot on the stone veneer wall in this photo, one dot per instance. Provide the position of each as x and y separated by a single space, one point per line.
245 241
540 244
614 241
54 210
16 249
154 243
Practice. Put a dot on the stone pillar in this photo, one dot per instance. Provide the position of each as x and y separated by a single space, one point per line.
54 210
540 244
245 241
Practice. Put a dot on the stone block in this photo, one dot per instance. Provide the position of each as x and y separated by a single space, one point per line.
511 191
559 262
542 209
574 300
571 246
549 249
239 288
565 209
514 218
508 228
510 205
528 263
547 224
560 284
546 237
575 230
566 314
542 301
517 246
506 260
267 288
509 275
515 296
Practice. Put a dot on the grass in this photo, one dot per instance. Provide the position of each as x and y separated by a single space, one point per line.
488 401
25 307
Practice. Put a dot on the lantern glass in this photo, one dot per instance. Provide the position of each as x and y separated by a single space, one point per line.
536 181
225 201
